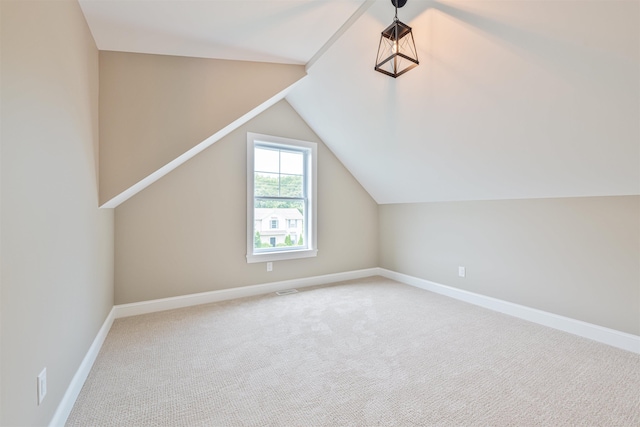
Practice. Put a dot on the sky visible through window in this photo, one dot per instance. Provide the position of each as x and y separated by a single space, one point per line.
278 161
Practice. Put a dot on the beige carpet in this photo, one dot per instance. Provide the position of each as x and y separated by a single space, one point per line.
362 353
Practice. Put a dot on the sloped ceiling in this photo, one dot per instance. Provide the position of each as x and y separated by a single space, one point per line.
512 99
285 31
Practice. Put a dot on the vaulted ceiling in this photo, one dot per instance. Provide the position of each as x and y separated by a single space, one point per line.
285 31
512 99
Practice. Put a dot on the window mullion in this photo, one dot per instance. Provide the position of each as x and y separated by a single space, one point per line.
279 173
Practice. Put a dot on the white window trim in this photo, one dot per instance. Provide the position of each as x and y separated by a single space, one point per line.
311 249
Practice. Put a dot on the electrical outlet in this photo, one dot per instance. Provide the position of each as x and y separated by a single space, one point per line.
269 266
42 385
462 272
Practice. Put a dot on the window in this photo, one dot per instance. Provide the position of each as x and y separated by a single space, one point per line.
281 186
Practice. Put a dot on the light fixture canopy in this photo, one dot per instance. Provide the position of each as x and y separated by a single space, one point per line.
397 52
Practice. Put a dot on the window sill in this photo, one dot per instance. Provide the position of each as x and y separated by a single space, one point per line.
281 256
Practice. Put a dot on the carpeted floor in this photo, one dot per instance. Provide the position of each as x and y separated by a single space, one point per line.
362 353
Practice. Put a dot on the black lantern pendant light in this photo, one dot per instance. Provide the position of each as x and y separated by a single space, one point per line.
397 51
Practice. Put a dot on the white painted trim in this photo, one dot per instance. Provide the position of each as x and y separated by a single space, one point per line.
310 150
143 307
150 179
124 310
70 396
343 29
611 337
598 333
280 255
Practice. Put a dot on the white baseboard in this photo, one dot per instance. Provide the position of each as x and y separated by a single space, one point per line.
136 308
124 310
601 334
611 337
69 399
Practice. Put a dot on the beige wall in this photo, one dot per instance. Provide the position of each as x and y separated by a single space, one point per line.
187 232
576 257
57 247
153 108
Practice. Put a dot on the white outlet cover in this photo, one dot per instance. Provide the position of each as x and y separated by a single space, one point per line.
462 272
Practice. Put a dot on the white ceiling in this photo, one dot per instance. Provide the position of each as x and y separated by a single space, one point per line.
285 31
511 99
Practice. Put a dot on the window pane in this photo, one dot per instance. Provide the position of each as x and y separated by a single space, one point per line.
282 213
266 185
291 163
267 160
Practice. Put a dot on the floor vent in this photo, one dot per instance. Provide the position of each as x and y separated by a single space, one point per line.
287 292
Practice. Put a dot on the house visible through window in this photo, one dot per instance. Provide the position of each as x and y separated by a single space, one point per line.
281 205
